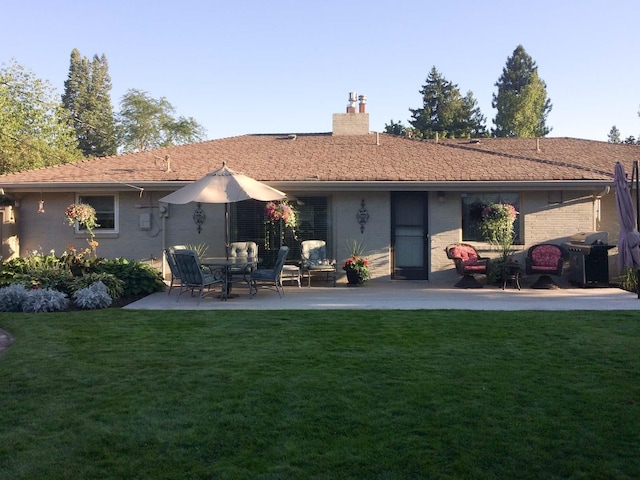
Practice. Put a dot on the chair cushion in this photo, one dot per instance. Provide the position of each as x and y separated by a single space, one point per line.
468 255
545 257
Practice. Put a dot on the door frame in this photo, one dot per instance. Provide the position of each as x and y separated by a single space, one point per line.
409 273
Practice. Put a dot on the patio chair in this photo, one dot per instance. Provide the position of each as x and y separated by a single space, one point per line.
545 259
468 262
314 260
173 268
243 250
193 275
269 277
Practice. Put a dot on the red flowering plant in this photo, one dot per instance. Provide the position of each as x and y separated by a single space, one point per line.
276 211
356 263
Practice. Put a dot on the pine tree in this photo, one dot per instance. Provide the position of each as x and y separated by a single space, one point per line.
521 100
445 111
87 98
395 128
614 135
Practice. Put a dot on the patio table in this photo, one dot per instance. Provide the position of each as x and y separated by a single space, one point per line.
224 265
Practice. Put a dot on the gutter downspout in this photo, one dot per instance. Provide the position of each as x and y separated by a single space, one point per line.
597 210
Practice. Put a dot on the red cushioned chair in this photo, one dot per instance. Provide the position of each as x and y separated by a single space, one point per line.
467 262
545 259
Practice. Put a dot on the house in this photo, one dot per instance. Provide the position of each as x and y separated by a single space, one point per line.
404 199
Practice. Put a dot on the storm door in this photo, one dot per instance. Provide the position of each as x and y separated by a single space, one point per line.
409 236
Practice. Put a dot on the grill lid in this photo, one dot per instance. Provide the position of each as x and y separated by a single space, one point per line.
590 238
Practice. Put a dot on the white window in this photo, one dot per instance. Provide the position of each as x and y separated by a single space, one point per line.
106 207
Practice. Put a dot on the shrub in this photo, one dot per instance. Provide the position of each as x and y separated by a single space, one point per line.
54 278
114 286
44 300
138 277
92 297
629 279
12 298
26 265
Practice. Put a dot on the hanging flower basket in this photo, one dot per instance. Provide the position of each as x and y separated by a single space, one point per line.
83 214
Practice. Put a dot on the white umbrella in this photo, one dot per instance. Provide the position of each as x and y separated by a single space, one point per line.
224 186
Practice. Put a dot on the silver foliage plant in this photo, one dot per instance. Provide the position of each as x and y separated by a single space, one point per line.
12 297
94 296
44 300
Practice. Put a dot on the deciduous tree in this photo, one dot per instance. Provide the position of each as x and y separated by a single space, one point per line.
32 131
146 123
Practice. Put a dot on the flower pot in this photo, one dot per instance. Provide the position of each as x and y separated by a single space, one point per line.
354 277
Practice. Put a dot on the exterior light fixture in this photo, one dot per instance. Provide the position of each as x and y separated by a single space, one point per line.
41 206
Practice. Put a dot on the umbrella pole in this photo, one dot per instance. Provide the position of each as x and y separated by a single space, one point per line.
634 177
226 230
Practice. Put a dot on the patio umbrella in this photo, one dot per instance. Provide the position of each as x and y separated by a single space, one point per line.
628 238
223 186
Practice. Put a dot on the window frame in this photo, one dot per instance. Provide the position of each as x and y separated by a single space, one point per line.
116 212
487 198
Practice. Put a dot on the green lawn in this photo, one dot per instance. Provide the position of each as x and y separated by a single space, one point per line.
128 394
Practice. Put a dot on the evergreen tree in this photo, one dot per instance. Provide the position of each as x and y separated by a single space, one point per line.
32 131
146 123
395 128
614 135
87 98
521 100
445 111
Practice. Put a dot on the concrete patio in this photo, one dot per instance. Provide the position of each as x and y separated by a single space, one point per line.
405 295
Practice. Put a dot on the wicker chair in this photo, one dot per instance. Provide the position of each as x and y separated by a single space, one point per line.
468 262
545 259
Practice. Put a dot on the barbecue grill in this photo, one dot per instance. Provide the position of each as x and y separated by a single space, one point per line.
589 259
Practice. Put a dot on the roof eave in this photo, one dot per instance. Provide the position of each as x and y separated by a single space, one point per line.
325 186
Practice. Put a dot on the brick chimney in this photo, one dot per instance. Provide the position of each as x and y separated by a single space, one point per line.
352 123
362 104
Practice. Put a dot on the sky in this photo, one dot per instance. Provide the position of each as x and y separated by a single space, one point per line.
279 66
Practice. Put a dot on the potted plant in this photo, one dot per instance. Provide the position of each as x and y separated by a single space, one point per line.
356 266
496 225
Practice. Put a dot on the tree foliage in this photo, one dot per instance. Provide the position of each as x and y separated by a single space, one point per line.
445 111
145 123
32 131
87 98
521 100
614 135
395 128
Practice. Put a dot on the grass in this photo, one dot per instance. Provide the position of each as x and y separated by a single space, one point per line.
321 395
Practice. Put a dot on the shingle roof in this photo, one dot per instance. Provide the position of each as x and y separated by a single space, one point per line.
360 158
